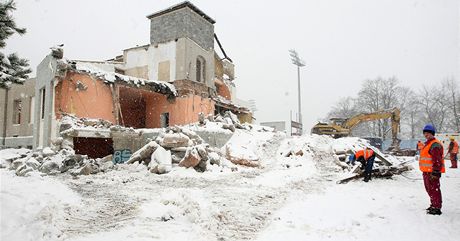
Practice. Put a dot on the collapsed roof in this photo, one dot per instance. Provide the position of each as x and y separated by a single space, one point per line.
112 77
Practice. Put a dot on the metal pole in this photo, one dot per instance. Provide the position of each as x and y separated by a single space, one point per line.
298 86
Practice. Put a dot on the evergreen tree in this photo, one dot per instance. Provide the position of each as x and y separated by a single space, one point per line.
12 68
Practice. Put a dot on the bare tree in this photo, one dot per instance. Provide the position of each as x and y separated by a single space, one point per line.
379 94
411 113
451 86
435 109
344 108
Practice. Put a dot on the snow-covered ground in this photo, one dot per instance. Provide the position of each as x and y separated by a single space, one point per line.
380 210
290 197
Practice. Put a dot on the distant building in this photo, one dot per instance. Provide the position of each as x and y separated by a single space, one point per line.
277 125
17 115
167 82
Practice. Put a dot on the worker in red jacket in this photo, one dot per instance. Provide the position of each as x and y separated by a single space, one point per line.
453 151
366 157
431 163
419 146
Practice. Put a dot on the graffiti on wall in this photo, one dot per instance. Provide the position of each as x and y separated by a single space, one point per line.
121 156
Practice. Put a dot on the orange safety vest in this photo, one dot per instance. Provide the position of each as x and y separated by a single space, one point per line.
420 146
455 149
426 160
364 153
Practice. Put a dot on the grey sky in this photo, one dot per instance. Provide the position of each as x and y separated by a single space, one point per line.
342 41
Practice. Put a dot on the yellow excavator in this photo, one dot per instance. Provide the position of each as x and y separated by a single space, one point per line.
341 127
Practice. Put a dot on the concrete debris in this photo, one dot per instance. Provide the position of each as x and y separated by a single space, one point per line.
191 159
89 168
161 161
106 163
71 161
48 167
17 163
230 127
219 119
214 158
233 117
243 159
192 135
23 170
33 163
175 140
47 152
177 158
144 153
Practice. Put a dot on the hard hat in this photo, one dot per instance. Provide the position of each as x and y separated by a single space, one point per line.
451 138
429 128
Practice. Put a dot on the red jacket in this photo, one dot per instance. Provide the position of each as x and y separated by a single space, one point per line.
436 151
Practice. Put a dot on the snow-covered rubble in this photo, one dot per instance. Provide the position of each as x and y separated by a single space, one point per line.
245 145
200 195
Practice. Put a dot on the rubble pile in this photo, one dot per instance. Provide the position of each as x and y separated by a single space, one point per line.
177 146
338 151
51 162
183 147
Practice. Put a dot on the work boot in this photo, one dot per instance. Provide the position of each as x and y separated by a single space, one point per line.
453 164
366 177
429 208
434 211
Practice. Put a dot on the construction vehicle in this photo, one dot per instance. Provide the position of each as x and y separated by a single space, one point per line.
341 127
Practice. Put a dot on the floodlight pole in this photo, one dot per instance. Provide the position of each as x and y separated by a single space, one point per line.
298 92
299 63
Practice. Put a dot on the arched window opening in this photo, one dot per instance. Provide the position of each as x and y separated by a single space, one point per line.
200 69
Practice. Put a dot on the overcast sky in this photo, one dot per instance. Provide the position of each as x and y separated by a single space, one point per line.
343 42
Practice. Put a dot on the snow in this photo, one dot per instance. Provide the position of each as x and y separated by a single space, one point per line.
379 210
210 127
112 76
32 207
293 195
9 154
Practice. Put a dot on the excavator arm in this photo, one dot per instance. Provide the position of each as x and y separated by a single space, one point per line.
344 128
394 114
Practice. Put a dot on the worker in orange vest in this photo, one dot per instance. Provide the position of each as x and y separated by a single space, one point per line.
431 163
453 151
366 157
419 146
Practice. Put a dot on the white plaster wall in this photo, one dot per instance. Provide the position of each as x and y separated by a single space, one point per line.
43 128
151 56
187 53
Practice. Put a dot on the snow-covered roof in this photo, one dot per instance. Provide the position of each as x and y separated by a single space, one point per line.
229 104
112 77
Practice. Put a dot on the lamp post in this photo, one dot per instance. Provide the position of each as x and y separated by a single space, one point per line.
296 60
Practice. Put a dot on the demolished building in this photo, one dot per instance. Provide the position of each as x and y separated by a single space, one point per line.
171 81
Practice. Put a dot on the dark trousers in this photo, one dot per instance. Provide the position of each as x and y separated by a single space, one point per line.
433 188
368 168
453 160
